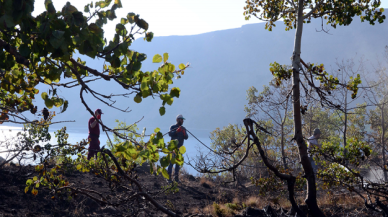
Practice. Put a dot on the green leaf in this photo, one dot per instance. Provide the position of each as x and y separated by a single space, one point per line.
175 92
24 50
69 9
6 22
49 103
164 162
35 178
58 102
165 173
149 36
118 3
141 57
170 101
182 66
119 28
111 14
55 42
157 130
152 168
182 149
49 6
123 21
94 28
102 4
179 161
157 58
44 95
29 182
79 18
58 34
171 67
173 144
79 167
138 98
86 47
136 66
144 86
65 105
165 57
162 111
86 9
142 24
131 18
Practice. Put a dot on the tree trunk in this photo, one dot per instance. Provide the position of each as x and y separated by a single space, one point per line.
311 199
346 123
383 140
282 144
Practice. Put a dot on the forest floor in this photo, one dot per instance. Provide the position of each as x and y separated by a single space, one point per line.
196 197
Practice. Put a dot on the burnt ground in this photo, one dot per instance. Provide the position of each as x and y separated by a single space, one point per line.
193 198
14 202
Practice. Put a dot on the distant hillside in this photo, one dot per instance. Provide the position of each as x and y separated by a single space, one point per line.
224 64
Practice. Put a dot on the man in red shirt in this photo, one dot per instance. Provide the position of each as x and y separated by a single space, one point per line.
94 134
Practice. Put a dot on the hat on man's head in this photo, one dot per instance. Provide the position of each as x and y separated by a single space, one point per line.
99 111
180 117
317 131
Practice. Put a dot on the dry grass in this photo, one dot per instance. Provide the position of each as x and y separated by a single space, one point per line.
195 210
253 201
236 200
345 202
220 210
340 200
207 181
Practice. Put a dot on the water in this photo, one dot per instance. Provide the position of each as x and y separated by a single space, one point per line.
78 134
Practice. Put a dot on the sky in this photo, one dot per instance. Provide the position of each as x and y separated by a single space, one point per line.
176 17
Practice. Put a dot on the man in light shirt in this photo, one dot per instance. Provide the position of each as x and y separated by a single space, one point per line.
313 141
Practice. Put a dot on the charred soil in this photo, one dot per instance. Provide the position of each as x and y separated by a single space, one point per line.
196 197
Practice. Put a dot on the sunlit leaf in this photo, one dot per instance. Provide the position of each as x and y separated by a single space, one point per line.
182 149
162 111
165 173
157 58
165 57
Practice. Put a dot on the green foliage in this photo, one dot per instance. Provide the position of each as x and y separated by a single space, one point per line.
280 72
353 85
171 188
335 161
38 134
40 50
127 152
335 12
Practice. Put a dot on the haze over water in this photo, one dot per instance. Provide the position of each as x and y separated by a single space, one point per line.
78 134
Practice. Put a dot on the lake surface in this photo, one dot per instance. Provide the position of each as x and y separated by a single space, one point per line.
78 134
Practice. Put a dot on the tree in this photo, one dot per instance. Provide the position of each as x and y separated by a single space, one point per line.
273 103
352 115
294 15
378 97
50 49
44 50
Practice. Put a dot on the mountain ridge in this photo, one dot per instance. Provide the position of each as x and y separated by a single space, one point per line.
224 64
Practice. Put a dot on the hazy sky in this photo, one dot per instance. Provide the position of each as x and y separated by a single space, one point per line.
176 17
